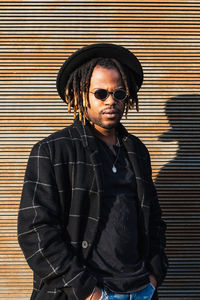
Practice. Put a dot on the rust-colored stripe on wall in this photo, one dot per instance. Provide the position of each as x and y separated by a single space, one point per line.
35 38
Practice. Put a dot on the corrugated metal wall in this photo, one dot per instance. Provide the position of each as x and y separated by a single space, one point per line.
35 38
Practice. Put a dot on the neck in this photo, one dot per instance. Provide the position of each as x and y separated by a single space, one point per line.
107 135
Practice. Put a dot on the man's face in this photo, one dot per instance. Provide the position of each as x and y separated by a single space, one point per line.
105 114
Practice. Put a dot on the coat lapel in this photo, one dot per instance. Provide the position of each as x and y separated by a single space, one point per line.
133 157
139 167
89 143
131 148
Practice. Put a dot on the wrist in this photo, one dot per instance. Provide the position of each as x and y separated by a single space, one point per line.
153 280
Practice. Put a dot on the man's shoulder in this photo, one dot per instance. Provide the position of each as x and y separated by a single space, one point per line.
139 147
129 137
57 138
136 140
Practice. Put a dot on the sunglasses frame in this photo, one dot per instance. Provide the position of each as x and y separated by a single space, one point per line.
110 93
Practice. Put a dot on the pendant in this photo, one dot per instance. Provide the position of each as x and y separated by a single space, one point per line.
114 169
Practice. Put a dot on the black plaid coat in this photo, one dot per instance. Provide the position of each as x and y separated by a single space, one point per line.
60 210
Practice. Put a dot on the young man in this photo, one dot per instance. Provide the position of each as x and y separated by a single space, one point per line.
89 221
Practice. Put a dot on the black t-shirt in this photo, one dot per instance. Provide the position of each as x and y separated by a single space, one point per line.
115 257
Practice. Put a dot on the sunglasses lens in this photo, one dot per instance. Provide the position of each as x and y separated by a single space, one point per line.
101 94
120 95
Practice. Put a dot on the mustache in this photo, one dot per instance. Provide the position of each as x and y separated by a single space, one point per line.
110 110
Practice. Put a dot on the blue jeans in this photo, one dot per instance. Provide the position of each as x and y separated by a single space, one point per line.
144 294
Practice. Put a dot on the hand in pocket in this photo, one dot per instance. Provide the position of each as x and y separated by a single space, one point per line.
96 294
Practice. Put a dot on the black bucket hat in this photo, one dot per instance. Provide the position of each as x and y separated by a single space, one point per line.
85 54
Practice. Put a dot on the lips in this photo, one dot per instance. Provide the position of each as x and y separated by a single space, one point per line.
110 113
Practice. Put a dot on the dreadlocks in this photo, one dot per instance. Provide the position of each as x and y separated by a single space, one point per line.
77 88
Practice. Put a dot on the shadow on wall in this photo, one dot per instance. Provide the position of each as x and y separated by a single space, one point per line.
178 186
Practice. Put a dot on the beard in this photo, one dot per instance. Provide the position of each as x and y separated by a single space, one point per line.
109 124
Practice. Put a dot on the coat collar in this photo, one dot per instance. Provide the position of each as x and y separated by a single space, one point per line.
88 141
88 138
86 134
129 142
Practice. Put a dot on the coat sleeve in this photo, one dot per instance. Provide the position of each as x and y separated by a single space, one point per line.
158 262
40 230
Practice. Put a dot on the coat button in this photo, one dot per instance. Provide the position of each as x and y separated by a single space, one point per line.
84 244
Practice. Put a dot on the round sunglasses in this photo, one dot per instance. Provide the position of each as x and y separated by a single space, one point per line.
118 94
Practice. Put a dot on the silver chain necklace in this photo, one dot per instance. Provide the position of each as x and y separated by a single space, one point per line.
114 168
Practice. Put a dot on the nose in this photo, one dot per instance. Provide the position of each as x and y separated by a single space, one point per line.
110 100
